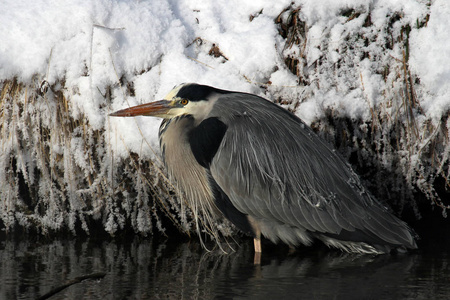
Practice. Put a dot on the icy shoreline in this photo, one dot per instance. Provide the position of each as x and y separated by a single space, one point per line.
371 78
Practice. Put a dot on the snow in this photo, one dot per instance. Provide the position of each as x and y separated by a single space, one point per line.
430 57
99 46
91 44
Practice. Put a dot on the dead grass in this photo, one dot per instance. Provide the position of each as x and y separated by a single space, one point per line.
402 159
57 172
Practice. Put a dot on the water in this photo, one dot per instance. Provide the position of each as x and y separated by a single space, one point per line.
143 269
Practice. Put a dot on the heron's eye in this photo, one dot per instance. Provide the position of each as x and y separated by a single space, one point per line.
184 101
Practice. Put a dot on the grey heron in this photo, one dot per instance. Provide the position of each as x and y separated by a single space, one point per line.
243 157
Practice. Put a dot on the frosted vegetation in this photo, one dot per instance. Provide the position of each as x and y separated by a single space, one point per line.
372 78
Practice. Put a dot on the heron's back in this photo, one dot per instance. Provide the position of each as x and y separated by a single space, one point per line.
275 169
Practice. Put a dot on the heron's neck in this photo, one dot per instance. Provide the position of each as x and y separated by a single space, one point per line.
181 164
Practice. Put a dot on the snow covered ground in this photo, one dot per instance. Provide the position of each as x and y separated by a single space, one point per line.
159 44
106 55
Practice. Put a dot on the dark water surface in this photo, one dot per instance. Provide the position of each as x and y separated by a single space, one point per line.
143 269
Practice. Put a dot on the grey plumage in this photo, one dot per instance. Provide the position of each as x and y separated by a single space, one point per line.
269 173
274 168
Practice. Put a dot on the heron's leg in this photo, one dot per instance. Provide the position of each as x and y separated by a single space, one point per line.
257 242
256 239
258 250
257 258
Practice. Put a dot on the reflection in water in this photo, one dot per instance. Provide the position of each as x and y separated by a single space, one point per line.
142 269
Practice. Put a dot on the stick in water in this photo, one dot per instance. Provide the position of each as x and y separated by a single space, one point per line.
71 282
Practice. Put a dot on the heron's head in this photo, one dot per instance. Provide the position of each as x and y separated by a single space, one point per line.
187 99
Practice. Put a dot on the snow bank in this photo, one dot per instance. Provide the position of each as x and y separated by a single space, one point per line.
429 61
65 65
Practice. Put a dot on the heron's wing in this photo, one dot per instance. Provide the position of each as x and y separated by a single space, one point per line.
274 168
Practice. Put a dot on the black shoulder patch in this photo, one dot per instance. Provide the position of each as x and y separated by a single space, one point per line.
197 92
205 140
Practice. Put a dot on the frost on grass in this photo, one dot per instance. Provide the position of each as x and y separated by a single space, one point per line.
361 75
370 104
57 171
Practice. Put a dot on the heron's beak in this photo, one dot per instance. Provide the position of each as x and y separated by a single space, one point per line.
153 109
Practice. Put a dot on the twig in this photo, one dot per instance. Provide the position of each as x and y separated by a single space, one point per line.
72 282
196 60
109 28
